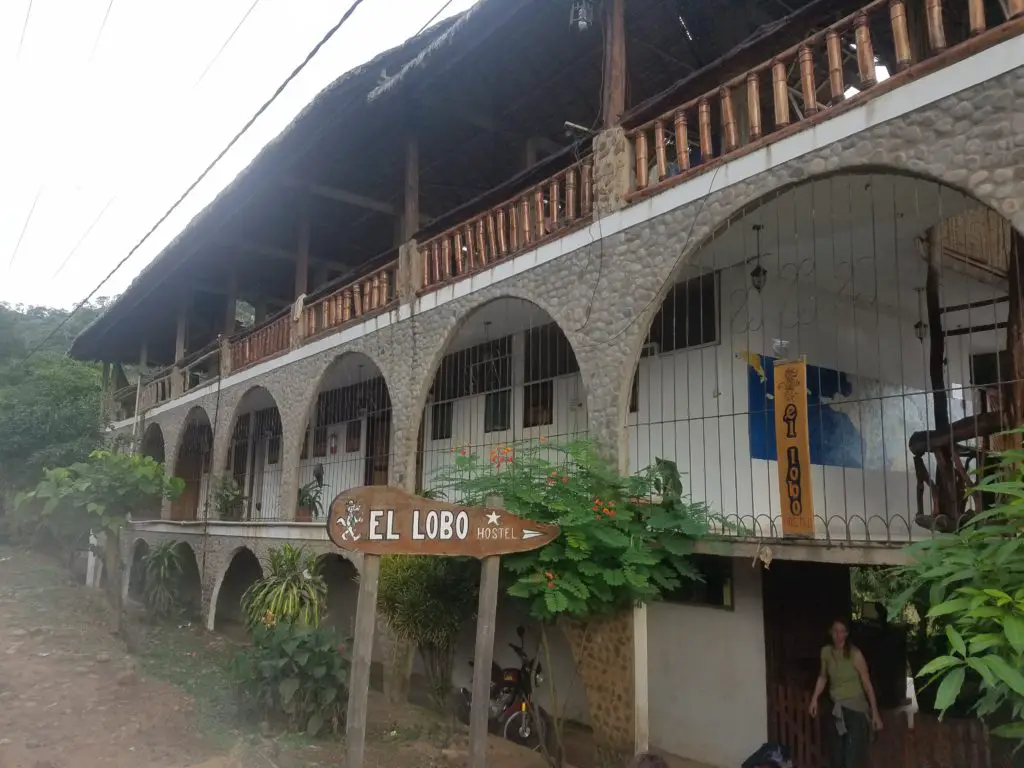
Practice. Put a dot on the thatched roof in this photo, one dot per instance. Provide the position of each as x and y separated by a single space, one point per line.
472 88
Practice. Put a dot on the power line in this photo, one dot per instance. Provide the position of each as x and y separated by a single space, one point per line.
24 29
206 172
99 33
432 18
24 228
226 43
81 240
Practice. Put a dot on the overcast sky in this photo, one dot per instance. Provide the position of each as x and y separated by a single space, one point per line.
120 125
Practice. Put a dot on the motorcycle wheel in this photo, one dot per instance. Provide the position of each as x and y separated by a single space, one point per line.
527 728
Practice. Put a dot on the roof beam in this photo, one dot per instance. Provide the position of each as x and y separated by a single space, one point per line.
276 252
350 198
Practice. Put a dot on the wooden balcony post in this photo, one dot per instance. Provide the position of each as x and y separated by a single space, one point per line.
411 212
384 290
428 264
641 158
460 257
492 237
936 27
347 308
707 149
587 187
302 255
502 233
729 129
682 140
471 261
900 34
660 152
446 258
976 16
357 300
554 195
780 94
835 66
481 246
614 96
524 221
570 194
538 212
754 105
865 51
807 85
513 227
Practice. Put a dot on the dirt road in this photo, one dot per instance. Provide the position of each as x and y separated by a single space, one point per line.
70 697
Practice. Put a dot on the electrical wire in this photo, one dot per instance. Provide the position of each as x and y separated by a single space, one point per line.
206 172
99 33
434 17
24 228
24 29
225 44
82 239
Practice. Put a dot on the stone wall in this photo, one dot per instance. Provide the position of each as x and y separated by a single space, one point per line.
604 295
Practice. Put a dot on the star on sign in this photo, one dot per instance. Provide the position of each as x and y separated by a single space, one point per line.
493 518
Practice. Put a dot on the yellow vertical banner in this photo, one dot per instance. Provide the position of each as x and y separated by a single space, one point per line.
793 448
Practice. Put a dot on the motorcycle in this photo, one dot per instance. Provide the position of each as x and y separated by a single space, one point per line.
511 710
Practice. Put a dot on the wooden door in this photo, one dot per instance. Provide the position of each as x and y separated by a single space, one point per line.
378 448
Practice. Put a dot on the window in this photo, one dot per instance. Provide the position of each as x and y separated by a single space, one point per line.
688 317
498 411
320 442
634 394
480 369
441 417
548 354
539 404
273 449
353 436
714 591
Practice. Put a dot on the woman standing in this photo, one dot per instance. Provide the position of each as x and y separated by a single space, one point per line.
854 710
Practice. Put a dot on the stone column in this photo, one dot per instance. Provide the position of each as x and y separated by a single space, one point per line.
613 169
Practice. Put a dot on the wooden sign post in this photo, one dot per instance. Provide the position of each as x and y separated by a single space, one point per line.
381 520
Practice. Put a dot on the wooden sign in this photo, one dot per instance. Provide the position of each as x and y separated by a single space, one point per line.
793 448
381 520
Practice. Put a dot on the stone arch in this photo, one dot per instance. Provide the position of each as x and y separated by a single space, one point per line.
191 580
242 570
137 570
152 444
192 463
254 459
502 371
347 439
342 578
845 288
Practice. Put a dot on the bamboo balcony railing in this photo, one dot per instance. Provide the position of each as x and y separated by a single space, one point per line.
539 214
367 295
794 86
271 337
157 390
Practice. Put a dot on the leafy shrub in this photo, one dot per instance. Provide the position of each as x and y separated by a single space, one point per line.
228 499
292 591
974 580
163 569
624 540
295 674
427 601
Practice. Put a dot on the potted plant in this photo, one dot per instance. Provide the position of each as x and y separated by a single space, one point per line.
311 504
228 499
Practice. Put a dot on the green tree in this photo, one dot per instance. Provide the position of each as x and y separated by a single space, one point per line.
98 495
975 585
426 601
624 541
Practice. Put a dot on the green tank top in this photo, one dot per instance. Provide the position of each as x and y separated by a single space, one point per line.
843 679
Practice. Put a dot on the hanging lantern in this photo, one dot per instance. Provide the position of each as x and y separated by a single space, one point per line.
581 15
758 275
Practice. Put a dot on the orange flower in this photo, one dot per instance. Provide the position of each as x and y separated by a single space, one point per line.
606 511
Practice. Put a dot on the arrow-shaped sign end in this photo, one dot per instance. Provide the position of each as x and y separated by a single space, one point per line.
528 534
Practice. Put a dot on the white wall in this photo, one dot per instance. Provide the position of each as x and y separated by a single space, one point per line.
569 420
707 672
694 404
